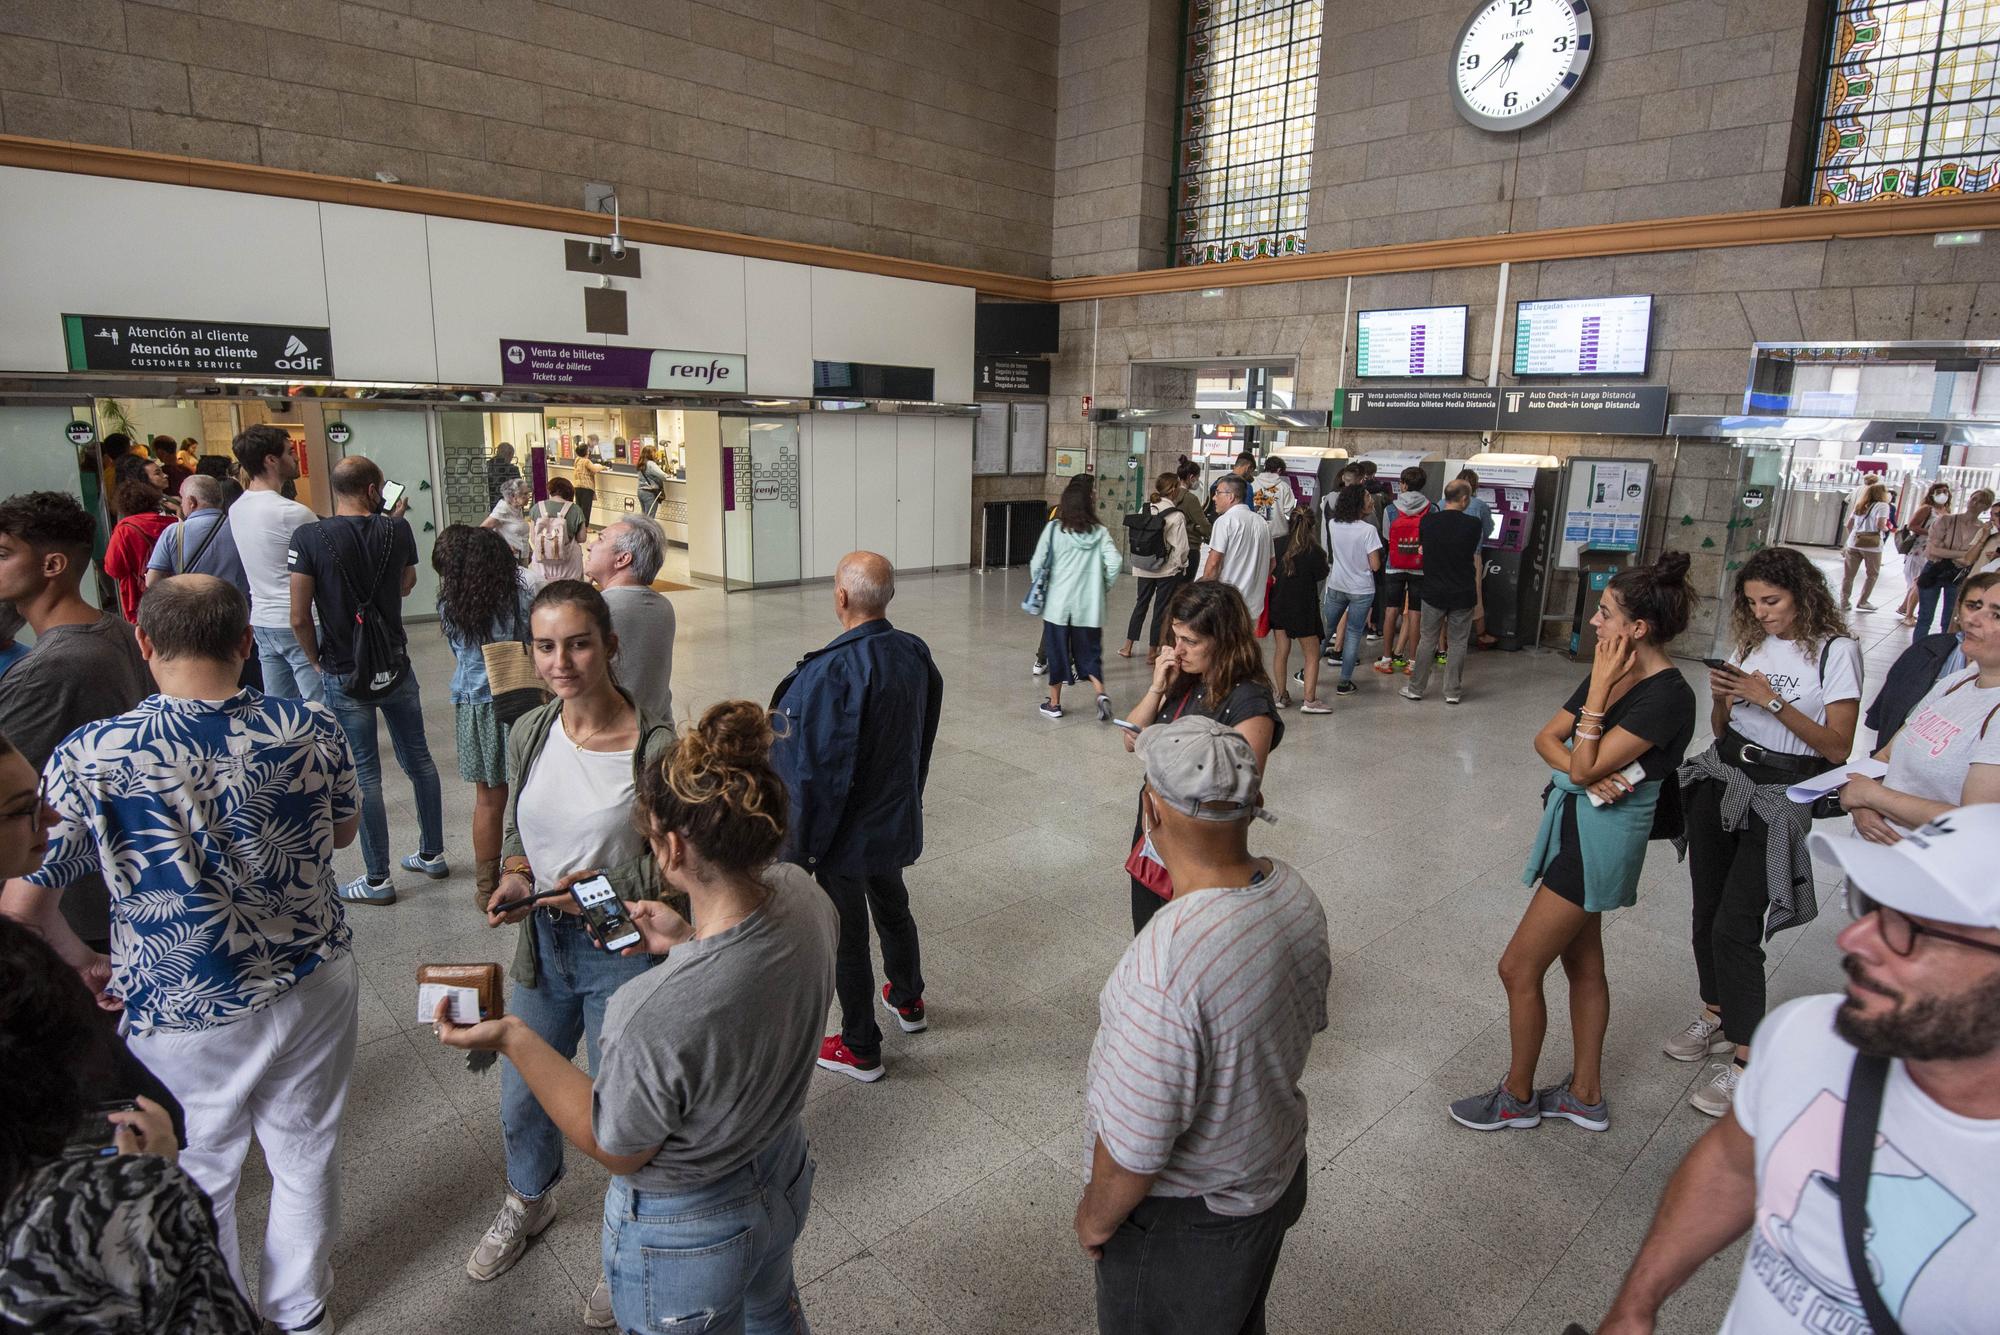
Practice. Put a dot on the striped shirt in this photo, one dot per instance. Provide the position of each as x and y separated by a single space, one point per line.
1204 1030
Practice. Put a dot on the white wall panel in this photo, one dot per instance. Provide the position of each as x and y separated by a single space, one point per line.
704 494
875 525
830 489
378 281
951 491
777 301
916 465
490 282
858 317
688 300
96 246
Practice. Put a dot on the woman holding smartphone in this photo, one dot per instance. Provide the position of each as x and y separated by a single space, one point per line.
1783 707
574 768
695 1107
1612 749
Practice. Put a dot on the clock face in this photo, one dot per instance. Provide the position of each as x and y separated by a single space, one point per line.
1517 60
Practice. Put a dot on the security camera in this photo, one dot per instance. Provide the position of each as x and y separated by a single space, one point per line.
617 246
595 251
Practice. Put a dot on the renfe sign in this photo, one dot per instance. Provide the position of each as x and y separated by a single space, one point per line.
526 361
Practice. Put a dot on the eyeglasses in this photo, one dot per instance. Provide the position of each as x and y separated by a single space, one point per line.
34 812
1899 930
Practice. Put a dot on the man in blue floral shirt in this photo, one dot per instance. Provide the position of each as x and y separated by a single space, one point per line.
214 813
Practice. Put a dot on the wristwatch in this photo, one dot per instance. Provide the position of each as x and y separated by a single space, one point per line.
1775 705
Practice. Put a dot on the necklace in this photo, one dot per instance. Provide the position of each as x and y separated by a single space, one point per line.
578 742
721 924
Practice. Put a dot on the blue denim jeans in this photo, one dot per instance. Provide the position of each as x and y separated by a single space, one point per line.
1355 606
572 988
286 671
403 710
717 1258
1936 600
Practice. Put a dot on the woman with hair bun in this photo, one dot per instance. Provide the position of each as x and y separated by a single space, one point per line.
1783 708
1612 750
705 1060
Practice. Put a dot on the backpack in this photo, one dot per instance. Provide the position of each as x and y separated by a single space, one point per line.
379 665
1406 551
1146 537
551 541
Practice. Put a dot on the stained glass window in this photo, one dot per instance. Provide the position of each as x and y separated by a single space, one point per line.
1910 102
1249 93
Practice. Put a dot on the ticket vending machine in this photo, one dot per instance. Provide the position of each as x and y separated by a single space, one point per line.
1389 466
1521 489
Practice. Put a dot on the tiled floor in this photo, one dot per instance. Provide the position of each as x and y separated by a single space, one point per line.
945 1192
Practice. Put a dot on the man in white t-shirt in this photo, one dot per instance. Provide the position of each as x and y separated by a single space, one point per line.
1923 964
261 524
1239 546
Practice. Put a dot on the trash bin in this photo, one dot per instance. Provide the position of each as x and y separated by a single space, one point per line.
1595 569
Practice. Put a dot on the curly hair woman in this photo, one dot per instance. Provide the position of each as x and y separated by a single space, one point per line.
704 1061
1210 666
481 599
1783 707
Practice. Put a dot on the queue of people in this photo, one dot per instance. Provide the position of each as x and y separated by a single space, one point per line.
750 852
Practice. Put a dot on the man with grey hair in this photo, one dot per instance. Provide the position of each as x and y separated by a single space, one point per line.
1196 1121
861 719
200 543
1239 545
623 562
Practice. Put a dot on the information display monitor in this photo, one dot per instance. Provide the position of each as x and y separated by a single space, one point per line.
1599 336
1413 341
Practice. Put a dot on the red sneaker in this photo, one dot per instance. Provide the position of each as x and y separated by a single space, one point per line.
910 1017
835 1056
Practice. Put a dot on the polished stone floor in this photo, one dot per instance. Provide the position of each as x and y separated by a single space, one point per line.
945 1192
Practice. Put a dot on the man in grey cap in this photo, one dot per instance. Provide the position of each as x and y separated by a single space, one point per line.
1197 1122
1902 1073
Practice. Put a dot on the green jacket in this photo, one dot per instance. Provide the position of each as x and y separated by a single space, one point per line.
636 879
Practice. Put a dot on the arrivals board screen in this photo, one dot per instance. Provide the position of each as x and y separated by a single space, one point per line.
1417 340
1583 336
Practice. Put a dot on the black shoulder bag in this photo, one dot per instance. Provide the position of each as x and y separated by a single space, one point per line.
1857 1154
379 666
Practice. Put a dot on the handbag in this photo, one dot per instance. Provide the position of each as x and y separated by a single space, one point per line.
510 673
1038 581
1940 572
1857 1154
1906 541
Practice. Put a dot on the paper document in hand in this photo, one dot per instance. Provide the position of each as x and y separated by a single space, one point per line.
1811 789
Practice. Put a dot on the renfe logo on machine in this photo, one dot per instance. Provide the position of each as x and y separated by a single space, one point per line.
149 343
590 366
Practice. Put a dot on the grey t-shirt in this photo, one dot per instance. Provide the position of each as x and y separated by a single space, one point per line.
644 622
709 1055
74 675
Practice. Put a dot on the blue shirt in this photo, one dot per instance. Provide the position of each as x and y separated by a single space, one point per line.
212 822
1480 510
175 550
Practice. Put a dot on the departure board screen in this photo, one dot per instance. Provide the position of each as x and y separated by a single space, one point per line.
1418 340
1583 336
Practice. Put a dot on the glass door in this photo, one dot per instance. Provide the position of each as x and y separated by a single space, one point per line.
399 442
1756 516
760 502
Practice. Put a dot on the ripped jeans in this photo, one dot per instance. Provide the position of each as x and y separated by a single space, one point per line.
714 1259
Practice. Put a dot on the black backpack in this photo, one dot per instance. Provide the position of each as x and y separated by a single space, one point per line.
1146 534
379 665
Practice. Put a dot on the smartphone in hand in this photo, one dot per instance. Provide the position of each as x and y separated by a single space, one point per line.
96 1137
1719 665
1127 725
603 916
392 492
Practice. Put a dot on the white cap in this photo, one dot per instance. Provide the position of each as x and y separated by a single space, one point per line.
1945 871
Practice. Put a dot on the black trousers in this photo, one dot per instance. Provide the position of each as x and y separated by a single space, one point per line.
1175 1267
1731 896
1159 592
855 898
584 497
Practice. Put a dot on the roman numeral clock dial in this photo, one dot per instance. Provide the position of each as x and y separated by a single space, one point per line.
1518 60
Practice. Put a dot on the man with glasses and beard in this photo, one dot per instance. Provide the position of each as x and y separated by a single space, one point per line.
1923 993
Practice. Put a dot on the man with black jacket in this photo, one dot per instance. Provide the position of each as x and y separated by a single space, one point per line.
863 717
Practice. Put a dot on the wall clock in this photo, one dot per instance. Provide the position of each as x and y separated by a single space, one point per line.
1516 61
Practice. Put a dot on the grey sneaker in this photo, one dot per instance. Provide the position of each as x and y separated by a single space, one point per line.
434 867
1410 694
1702 1039
597 1312
361 890
1718 1096
1557 1101
504 1242
1496 1110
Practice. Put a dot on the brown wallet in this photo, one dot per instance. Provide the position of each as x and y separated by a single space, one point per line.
483 979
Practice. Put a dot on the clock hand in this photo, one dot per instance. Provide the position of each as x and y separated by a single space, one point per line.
1505 63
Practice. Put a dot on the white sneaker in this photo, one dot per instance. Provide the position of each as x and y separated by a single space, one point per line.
504 1242
1700 1040
1718 1095
1866 606
597 1314
319 1325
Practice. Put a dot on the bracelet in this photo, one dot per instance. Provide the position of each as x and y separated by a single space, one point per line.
520 868
1594 735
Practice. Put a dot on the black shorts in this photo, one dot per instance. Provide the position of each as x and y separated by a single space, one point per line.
1398 585
1564 874
1074 653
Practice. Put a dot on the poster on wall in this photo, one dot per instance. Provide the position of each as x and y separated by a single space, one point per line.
989 441
1029 446
1604 507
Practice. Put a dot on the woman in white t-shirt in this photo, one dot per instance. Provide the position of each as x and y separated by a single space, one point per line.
1784 707
510 516
1947 754
1866 524
1354 550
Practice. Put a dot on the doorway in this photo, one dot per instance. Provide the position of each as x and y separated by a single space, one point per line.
399 442
760 501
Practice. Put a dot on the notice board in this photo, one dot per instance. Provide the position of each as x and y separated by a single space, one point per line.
1603 507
